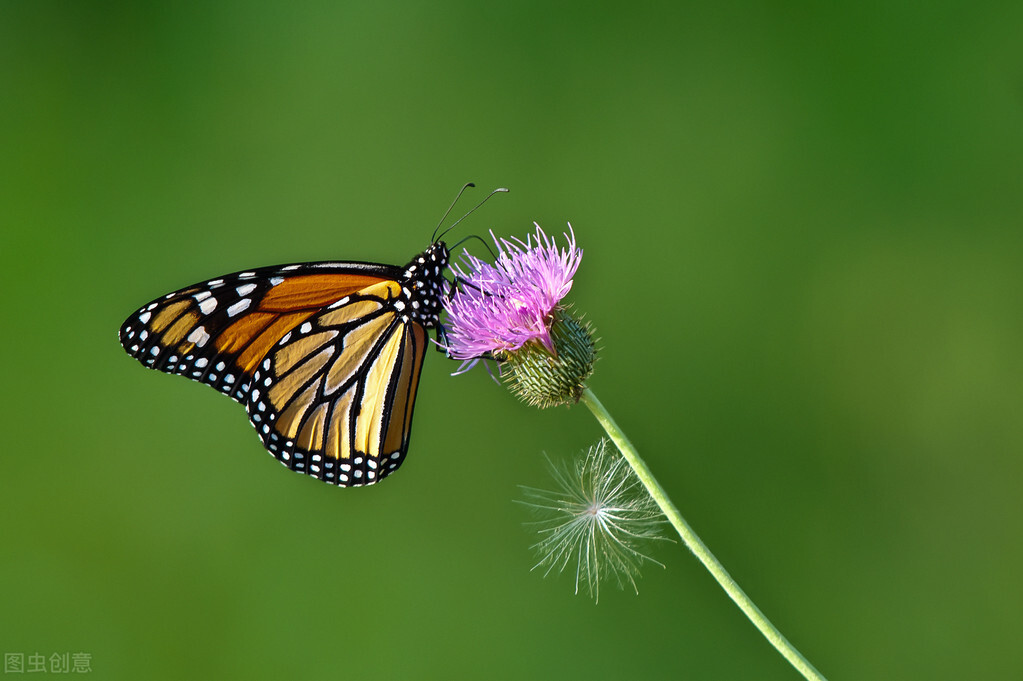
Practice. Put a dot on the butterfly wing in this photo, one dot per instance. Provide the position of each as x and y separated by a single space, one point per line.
321 354
334 399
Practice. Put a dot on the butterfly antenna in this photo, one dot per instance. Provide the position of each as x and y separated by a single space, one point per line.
470 212
448 211
478 238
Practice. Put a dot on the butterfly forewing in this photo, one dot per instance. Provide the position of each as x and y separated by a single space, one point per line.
218 331
325 356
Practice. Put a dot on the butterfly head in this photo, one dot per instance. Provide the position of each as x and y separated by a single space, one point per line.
423 284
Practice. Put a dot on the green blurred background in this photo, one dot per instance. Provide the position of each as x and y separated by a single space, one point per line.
803 255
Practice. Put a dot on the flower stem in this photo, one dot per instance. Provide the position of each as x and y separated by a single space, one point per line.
695 544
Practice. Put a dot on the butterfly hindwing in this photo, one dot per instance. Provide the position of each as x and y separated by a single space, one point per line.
334 399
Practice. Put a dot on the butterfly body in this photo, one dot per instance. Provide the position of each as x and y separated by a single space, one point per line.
325 356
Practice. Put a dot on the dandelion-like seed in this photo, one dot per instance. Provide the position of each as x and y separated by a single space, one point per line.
596 521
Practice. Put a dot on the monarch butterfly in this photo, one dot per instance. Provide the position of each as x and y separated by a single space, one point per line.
325 356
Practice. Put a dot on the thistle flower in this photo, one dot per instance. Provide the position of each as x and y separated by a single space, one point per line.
605 505
512 311
596 521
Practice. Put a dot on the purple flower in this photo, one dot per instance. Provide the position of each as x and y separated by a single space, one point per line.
498 308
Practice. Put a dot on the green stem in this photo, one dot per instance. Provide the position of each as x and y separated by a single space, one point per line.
695 544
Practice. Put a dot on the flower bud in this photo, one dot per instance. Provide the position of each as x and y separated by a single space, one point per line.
545 379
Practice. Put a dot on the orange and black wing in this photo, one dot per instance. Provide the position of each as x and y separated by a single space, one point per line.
324 356
334 398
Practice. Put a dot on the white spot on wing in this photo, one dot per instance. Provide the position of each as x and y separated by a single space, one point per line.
208 305
239 307
144 317
199 337
246 289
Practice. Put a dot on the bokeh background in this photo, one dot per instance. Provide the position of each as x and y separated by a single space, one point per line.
803 256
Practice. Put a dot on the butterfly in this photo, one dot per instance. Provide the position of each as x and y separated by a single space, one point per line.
325 356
